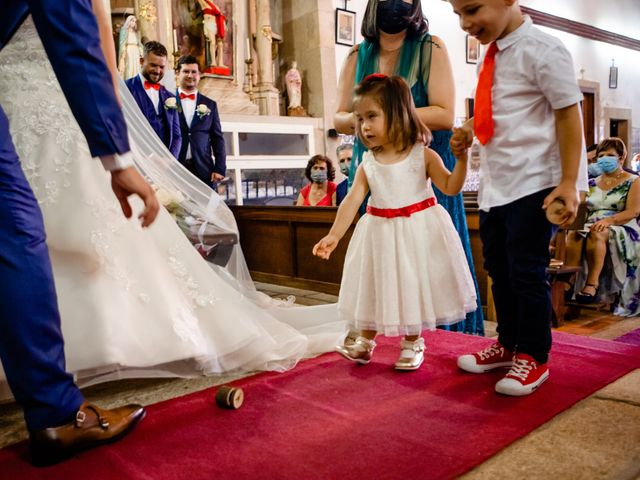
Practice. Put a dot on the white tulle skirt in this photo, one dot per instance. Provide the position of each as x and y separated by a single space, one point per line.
405 274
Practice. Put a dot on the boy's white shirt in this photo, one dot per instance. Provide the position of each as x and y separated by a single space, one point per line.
533 76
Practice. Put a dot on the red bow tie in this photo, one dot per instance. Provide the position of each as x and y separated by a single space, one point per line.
148 85
192 96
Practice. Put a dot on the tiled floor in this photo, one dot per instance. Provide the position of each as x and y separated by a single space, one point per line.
598 438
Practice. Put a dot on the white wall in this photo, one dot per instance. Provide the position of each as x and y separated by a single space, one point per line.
594 57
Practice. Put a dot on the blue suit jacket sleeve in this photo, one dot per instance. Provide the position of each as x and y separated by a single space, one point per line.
69 33
176 135
217 142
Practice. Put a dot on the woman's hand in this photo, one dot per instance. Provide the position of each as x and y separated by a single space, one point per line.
325 246
602 225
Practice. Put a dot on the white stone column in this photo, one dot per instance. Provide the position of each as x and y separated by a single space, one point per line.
146 13
267 95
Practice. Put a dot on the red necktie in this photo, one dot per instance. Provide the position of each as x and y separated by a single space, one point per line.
148 85
483 115
192 96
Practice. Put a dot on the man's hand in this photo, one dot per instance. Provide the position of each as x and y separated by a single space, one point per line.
128 181
216 177
567 193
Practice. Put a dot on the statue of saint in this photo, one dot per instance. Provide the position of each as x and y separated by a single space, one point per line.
293 81
129 49
214 30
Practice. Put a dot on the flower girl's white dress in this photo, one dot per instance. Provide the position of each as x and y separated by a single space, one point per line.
406 273
133 302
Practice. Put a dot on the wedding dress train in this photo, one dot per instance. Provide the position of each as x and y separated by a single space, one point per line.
137 302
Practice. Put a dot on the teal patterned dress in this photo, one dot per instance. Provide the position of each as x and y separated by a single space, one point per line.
414 63
620 273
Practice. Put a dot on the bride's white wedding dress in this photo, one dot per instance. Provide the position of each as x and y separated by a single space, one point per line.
134 302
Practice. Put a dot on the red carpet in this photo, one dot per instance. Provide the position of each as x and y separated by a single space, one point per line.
330 419
632 338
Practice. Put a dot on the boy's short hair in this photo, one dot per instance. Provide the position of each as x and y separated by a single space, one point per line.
156 48
331 171
614 143
418 23
186 60
404 127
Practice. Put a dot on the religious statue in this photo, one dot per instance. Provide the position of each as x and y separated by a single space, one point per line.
293 82
214 30
129 49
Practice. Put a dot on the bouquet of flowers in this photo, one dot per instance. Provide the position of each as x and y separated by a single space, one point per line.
212 242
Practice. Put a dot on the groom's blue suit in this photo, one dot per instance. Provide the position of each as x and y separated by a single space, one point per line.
205 139
165 123
31 344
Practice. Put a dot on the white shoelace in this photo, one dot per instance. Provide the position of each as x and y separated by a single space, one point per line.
521 368
491 351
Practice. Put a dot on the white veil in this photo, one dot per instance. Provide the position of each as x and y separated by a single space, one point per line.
198 210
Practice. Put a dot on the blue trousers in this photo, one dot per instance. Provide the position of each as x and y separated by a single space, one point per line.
31 344
515 243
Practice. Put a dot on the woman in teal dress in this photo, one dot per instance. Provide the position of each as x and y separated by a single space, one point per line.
397 42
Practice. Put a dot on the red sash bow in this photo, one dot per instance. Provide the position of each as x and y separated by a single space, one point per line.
403 211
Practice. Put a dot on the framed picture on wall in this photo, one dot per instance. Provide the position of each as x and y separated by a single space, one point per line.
473 49
345 27
613 77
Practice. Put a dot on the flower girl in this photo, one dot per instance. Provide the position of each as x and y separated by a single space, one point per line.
405 269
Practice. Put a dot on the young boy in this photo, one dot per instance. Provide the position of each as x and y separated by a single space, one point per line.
528 121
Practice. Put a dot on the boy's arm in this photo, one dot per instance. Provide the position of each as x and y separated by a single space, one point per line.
569 133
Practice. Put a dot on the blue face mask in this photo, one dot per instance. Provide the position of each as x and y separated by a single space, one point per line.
594 170
319 176
608 164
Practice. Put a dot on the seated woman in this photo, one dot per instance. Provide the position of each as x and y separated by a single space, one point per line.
612 233
321 192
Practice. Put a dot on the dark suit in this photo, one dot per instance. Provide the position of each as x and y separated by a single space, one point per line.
341 191
31 345
204 136
165 123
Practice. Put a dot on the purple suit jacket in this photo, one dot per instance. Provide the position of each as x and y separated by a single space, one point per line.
169 133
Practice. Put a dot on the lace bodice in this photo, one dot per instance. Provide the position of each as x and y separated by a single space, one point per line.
32 99
399 184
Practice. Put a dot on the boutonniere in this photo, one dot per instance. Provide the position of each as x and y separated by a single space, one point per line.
202 110
171 104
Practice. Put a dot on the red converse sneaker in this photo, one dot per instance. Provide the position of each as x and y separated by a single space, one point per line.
525 376
495 356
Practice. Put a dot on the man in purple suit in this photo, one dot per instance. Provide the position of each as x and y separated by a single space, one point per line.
155 101
203 150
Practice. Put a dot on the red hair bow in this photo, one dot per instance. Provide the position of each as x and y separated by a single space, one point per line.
376 76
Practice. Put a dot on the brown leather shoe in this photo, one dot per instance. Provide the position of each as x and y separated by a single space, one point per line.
92 426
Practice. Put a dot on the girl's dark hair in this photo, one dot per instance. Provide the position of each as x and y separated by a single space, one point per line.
331 171
614 143
418 23
404 127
